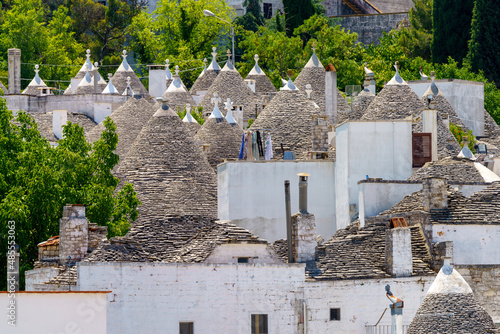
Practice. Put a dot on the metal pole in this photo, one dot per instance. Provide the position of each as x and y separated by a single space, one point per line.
288 222
232 39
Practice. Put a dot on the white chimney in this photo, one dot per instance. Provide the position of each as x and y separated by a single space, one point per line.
331 93
398 257
157 80
429 118
59 118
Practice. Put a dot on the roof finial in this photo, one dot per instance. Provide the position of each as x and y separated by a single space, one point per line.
188 108
214 53
433 76
110 75
228 104
88 53
308 91
205 62
37 68
256 57
228 53
128 80
124 53
216 99
396 66
96 65
177 70
314 47
423 76
167 63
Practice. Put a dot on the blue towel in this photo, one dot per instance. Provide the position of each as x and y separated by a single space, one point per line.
242 147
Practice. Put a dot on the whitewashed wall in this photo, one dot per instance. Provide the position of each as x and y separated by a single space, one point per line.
472 244
56 313
154 298
379 149
252 195
466 97
361 302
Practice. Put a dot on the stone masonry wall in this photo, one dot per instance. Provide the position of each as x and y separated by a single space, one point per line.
304 237
371 27
73 233
485 283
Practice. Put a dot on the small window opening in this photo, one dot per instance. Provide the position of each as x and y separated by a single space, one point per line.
335 314
243 260
185 328
259 324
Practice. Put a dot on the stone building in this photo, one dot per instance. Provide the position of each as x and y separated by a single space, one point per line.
218 137
37 86
230 84
120 79
176 95
191 123
261 84
205 79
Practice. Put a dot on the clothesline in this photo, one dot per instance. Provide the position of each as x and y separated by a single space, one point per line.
252 147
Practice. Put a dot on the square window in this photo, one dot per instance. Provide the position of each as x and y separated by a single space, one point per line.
259 323
335 314
243 260
185 328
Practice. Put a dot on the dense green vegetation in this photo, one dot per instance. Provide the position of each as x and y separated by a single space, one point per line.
37 180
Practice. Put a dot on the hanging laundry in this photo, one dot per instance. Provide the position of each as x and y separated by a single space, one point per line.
269 148
242 148
259 144
248 146
255 148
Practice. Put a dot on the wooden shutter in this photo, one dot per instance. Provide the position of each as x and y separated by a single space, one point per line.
421 148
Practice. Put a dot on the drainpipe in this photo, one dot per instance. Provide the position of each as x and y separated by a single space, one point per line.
288 221
304 310
303 193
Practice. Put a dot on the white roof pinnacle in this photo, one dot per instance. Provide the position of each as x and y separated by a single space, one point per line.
229 64
314 61
289 85
87 79
213 65
37 81
167 70
216 112
449 281
368 72
256 69
128 90
100 80
188 118
423 76
204 67
229 114
396 79
176 85
110 89
433 89
124 66
87 62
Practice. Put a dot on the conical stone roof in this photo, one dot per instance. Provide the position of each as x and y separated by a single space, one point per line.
230 84
314 74
396 101
130 118
176 96
169 171
450 306
192 124
87 65
207 76
263 86
119 79
361 103
216 132
36 83
289 118
86 85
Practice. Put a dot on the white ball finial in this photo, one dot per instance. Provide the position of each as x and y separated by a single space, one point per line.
88 53
128 80
37 68
110 75
177 70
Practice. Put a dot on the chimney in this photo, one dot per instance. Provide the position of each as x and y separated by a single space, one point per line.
96 78
435 193
157 80
429 119
398 257
73 233
251 84
331 93
369 83
319 133
289 228
59 118
304 227
14 71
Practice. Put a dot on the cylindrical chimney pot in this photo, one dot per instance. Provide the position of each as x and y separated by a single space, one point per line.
303 192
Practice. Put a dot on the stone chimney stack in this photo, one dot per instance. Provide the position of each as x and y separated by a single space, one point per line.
59 118
331 93
398 257
320 133
73 233
14 71
435 193
304 227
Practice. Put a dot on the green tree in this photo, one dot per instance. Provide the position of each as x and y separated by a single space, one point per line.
451 29
296 12
178 31
37 180
484 50
416 39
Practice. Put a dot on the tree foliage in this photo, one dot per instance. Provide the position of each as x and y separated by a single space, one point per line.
484 50
451 29
37 180
296 12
